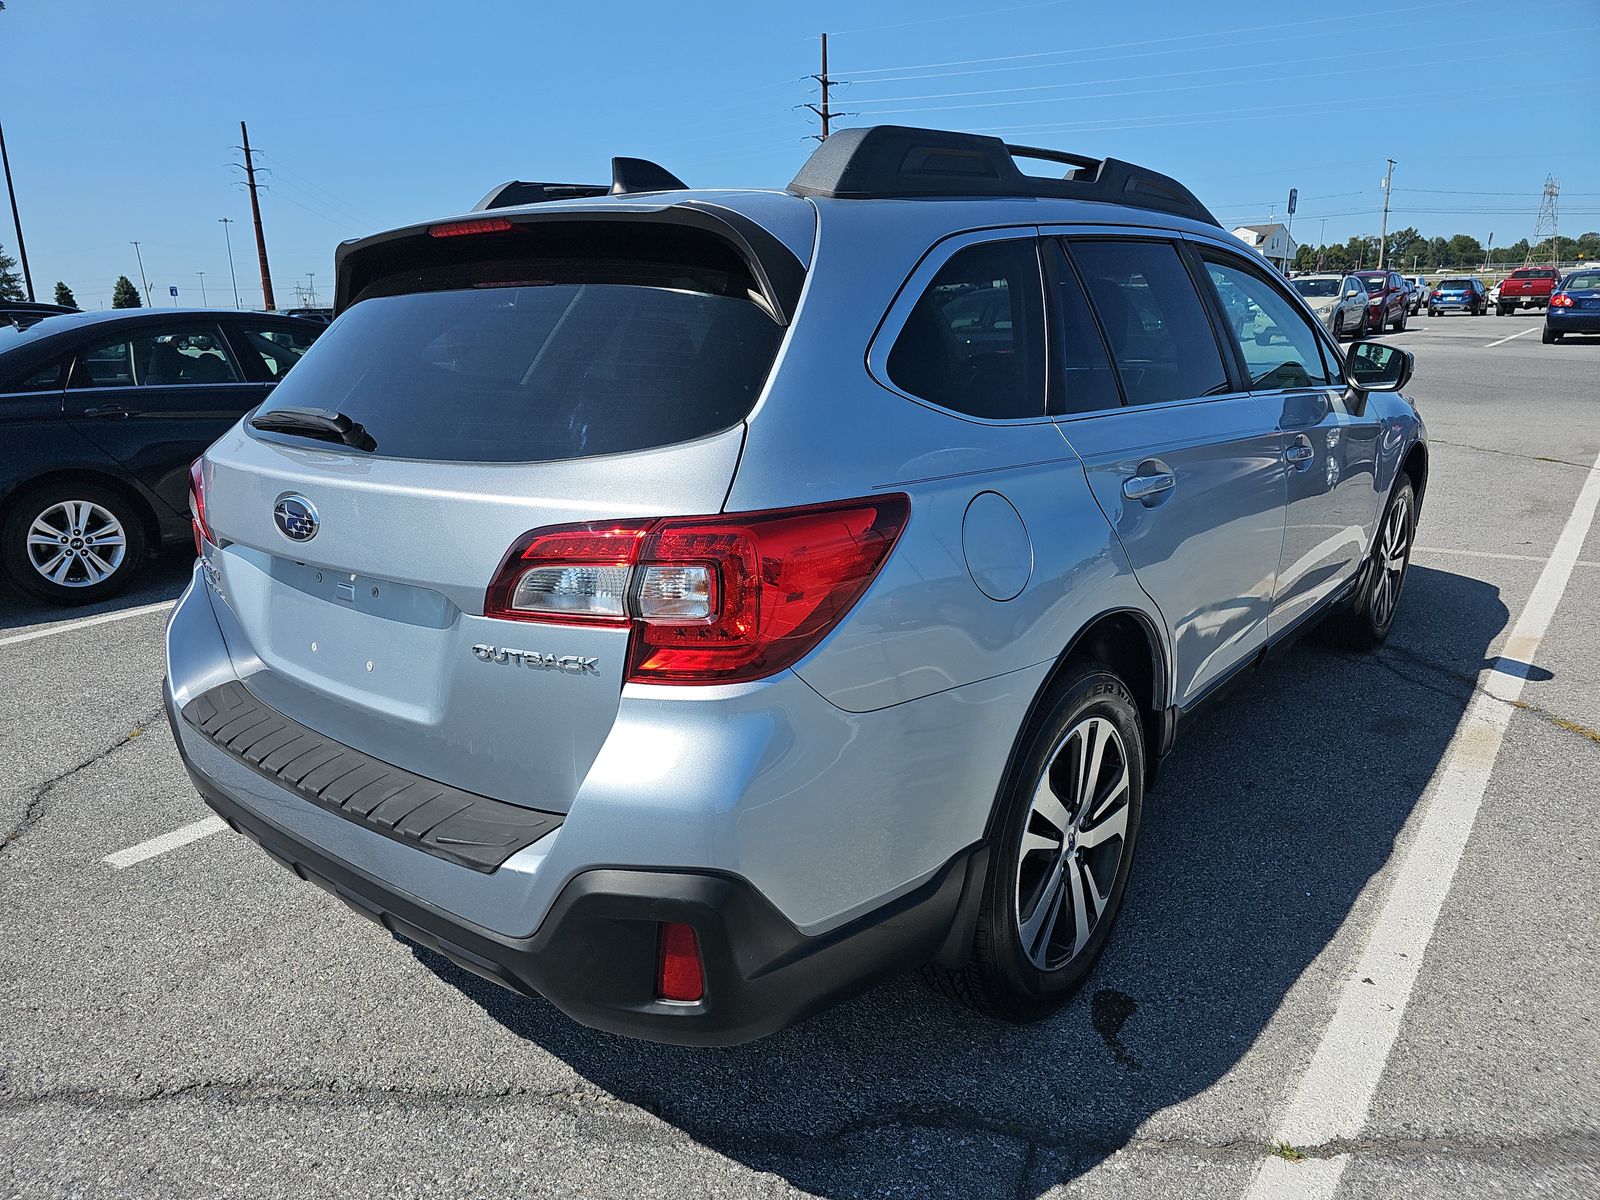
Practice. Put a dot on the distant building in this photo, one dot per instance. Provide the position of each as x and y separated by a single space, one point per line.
1272 242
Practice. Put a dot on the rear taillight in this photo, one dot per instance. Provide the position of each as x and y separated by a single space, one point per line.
197 506
1560 300
708 599
679 975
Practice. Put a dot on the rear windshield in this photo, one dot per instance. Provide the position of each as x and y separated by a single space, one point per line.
540 360
1582 283
1316 287
1455 283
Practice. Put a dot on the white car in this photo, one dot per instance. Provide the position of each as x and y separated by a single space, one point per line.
1340 301
1420 288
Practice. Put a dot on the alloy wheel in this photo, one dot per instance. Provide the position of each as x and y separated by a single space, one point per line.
1073 841
1393 548
76 543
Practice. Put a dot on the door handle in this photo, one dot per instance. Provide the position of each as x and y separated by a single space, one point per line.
1298 453
106 410
1149 489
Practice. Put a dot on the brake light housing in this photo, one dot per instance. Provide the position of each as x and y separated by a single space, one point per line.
707 600
197 507
471 226
1560 300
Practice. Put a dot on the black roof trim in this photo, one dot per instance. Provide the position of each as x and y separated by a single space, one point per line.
897 161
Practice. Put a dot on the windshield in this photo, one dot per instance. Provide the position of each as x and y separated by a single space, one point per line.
1316 287
537 372
1375 283
1582 283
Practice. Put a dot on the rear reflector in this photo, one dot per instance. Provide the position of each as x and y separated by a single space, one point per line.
463 228
720 599
679 975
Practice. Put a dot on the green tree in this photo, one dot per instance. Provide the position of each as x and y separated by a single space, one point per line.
1589 245
10 281
1466 249
124 294
1402 245
64 296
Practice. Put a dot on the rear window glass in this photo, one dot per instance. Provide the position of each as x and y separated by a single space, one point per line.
1582 283
541 360
1455 283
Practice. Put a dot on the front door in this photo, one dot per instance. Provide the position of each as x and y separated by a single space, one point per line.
1188 469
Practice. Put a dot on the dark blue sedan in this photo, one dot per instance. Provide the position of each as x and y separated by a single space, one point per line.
1574 307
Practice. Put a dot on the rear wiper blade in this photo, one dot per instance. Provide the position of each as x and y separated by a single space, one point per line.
315 423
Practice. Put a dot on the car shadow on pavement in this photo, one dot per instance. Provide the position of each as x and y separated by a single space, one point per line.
1268 822
163 578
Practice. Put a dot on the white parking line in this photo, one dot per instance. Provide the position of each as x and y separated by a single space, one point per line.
1495 554
85 622
1334 1096
1504 340
181 836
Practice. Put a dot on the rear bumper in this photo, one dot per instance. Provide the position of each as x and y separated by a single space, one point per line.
1569 320
1523 301
594 955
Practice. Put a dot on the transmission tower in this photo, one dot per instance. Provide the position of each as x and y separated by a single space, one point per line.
1549 222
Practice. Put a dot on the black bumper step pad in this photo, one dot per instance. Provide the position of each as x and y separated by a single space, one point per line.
463 827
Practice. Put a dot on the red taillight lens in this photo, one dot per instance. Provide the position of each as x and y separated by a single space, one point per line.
1560 300
783 580
719 599
570 575
197 507
679 975
464 228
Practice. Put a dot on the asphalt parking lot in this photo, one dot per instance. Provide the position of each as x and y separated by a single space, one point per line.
198 1023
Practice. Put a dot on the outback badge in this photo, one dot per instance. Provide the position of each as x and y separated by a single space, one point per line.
572 664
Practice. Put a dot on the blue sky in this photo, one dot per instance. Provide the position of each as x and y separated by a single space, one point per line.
121 118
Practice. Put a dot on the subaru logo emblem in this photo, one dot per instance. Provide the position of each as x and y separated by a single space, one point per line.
296 518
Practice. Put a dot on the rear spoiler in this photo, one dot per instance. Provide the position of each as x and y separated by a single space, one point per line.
776 270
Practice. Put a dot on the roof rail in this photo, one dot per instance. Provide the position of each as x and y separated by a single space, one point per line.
629 177
896 161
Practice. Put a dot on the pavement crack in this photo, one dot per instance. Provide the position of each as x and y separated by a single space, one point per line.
37 804
1538 458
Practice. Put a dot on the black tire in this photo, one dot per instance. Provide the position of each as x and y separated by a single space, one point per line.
84 579
1002 978
1365 624
1433 312
1549 337
1400 325
1338 328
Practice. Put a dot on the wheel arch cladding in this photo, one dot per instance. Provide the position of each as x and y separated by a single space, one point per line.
142 507
1415 465
1125 641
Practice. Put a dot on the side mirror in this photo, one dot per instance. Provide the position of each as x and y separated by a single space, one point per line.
1378 367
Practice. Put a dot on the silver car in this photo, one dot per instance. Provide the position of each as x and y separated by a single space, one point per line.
1338 301
693 606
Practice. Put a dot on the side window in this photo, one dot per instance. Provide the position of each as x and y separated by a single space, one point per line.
1088 383
1160 336
1280 348
974 342
47 377
196 355
276 347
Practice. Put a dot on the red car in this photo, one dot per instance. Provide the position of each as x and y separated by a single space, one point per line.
1388 299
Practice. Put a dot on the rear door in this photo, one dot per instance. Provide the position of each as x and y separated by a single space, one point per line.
154 397
507 386
1329 439
1188 470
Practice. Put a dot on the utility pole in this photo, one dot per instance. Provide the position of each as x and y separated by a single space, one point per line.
1383 238
255 213
1488 254
16 217
202 275
825 112
225 222
142 279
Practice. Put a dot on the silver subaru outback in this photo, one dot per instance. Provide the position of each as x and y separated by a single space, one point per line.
691 606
